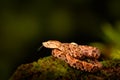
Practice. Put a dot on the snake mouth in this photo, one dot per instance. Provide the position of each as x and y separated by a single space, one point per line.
47 45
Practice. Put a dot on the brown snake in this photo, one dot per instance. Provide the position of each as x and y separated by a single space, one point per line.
75 55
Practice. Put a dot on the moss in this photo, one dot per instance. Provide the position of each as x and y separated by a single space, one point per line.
50 68
111 63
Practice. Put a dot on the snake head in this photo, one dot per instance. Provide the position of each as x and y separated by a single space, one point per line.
52 44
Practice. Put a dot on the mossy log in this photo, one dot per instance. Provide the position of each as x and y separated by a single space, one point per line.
50 68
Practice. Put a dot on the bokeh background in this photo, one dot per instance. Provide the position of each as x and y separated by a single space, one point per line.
25 24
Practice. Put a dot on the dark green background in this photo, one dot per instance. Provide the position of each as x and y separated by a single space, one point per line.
25 24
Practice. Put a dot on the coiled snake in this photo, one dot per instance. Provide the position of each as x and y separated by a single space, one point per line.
81 57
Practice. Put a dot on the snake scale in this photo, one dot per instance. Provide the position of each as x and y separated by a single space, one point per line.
76 55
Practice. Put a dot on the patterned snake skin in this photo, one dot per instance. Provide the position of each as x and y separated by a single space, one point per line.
75 55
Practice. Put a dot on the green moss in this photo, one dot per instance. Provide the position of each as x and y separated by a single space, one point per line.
45 68
50 68
110 63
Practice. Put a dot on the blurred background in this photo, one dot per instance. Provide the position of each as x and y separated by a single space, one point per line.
25 24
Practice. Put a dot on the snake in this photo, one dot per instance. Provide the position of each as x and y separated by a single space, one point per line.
81 57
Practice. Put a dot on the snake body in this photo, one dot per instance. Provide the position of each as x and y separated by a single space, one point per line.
75 55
